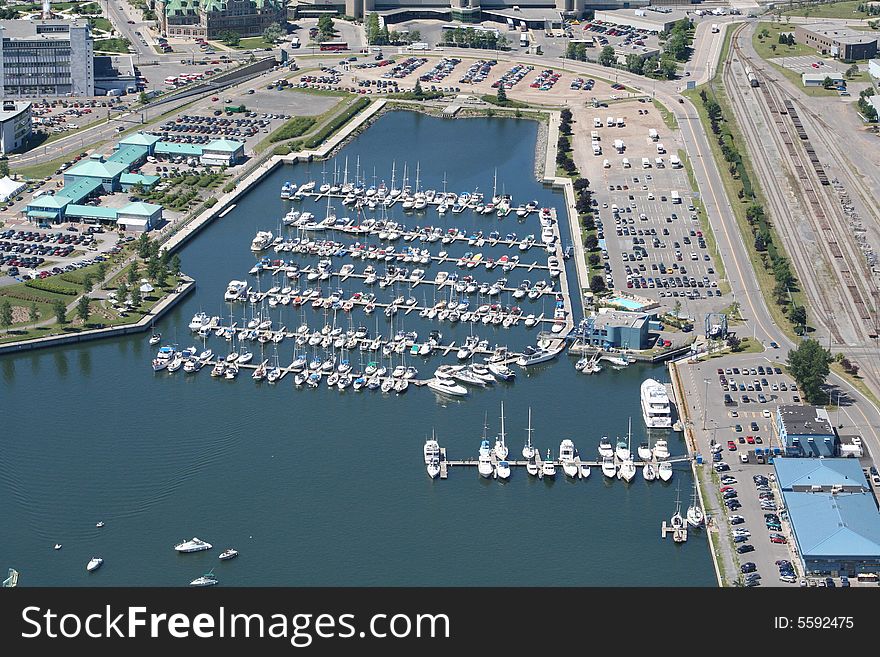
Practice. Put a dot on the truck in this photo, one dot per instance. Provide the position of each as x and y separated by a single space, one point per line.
294 42
674 162
674 197
597 122
610 122
620 122
658 162
646 163
619 145
606 164
235 109
652 133
594 135
661 149
626 164
524 40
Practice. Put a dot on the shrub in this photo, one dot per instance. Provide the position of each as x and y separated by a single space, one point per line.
55 288
295 127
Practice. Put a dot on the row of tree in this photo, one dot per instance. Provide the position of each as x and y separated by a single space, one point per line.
678 40
563 145
470 38
661 68
865 107
381 36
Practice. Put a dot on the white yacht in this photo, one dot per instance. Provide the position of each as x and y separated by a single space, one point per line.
655 405
446 385
261 240
485 462
609 467
432 456
661 450
234 290
548 466
695 516
194 545
198 321
528 451
664 471
622 450
566 455
94 564
605 447
649 471
533 356
644 451
501 371
208 579
228 553
503 470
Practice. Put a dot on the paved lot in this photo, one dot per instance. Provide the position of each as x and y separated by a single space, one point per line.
804 64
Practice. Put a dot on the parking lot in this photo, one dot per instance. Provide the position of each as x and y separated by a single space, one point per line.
649 230
733 408
45 252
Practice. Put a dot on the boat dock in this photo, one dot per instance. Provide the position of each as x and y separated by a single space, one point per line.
679 534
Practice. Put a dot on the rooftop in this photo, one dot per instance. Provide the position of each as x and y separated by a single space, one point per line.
90 211
835 525
139 139
15 107
608 317
140 208
95 169
128 154
805 472
77 190
178 149
805 420
26 29
840 33
224 145
645 14
135 178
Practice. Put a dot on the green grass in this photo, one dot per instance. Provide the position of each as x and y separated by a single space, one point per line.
492 99
321 92
856 382
762 45
766 282
252 43
668 117
101 24
830 10
750 346
336 123
295 127
796 80
112 45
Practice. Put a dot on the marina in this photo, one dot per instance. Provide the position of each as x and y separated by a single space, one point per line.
218 459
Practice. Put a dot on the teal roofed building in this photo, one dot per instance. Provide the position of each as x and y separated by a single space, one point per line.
107 172
132 156
209 18
223 152
172 148
140 139
46 208
139 217
129 180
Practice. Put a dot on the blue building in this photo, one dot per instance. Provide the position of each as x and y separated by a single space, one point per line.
833 515
620 329
806 431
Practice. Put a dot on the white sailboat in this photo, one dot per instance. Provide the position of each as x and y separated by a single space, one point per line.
500 446
695 515
676 520
528 451
627 469
649 471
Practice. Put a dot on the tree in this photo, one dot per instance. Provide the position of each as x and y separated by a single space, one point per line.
143 98
152 268
4 167
852 71
667 69
6 314
607 57
565 115
635 63
273 33
142 246
676 308
375 36
734 343
122 292
136 299
502 95
773 47
133 273
230 37
88 283
597 284
827 82
82 308
581 184
591 243
798 315
175 264
325 26
34 313
593 260
60 311
160 276
101 271
809 365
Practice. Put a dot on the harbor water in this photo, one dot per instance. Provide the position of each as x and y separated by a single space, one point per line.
320 487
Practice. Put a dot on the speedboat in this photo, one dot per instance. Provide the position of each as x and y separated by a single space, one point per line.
533 356
585 470
622 451
156 338
228 553
609 467
605 448
485 461
566 455
649 471
503 470
194 545
501 371
644 451
548 467
208 579
446 385
661 450
664 471
94 564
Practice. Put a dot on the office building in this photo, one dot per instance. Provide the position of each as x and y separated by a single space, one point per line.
15 125
837 41
805 431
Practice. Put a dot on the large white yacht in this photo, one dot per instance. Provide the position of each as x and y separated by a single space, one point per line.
432 456
533 356
234 290
566 456
655 405
262 240
485 462
194 545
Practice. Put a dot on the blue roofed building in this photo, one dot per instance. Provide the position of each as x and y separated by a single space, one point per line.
806 431
833 514
620 329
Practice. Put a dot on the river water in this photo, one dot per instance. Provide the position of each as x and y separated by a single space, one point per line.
321 487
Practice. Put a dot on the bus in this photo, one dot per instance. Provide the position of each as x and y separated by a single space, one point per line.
334 46
170 80
675 197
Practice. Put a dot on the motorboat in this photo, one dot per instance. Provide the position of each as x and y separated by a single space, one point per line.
533 356
228 553
664 470
156 338
501 371
566 456
94 564
655 405
502 470
58 546
649 471
605 448
484 464
528 451
193 545
199 320
262 240
627 470
208 579
446 385
622 450
661 450
548 467
695 515
644 451
584 470
609 467
235 290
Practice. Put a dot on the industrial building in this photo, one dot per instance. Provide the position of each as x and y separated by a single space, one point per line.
818 79
833 515
209 18
838 41
874 68
649 19
619 329
46 58
15 125
806 431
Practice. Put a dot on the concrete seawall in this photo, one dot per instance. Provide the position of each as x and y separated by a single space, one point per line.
157 312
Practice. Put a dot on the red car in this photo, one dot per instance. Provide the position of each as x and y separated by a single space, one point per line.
778 539
724 489
731 445
750 440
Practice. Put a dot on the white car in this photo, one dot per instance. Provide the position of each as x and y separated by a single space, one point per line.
765 413
743 458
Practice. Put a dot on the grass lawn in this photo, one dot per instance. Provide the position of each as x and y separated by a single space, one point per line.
112 45
830 10
796 80
101 24
762 44
668 117
320 92
856 382
252 43
750 346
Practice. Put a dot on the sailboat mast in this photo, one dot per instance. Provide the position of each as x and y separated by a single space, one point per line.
502 423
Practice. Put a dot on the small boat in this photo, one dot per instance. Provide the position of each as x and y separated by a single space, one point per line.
585 470
548 467
193 545
566 455
627 470
695 515
502 471
156 338
94 564
484 465
661 450
228 553
99 524
649 472
664 471
208 579
58 546
644 451
501 371
622 450
605 448
609 467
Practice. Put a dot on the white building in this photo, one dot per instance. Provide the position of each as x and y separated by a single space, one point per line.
649 19
15 124
40 58
874 68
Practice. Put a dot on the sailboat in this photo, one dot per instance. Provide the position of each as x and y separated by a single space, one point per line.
649 471
528 451
695 516
627 469
500 446
677 522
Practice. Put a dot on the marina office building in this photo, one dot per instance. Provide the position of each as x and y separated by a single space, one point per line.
45 58
837 41
620 329
833 515
15 124
806 431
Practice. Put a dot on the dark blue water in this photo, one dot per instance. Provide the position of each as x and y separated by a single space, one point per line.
318 487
